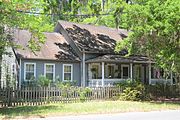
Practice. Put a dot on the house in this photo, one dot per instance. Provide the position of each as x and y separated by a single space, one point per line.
83 53
8 69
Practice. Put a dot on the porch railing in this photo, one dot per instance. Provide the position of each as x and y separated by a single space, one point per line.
107 82
165 81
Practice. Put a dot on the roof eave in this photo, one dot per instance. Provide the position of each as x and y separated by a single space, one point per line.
48 59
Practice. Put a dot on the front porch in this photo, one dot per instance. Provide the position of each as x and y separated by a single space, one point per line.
107 73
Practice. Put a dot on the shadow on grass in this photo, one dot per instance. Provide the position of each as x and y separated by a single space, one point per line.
166 102
41 111
27 111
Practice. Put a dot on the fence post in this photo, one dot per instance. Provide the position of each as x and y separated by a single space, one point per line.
9 97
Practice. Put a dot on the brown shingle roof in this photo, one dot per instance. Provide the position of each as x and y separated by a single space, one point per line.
120 58
55 47
93 38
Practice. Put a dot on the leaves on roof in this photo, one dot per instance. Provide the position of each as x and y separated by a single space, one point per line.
90 42
66 52
132 58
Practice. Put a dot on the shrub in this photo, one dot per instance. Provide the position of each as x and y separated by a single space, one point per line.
83 93
67 88
64 85
43 81
162 90
128 83
134 91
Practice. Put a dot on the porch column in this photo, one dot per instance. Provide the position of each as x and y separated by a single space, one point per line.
149 73
83 77
131 71
171 78
102 73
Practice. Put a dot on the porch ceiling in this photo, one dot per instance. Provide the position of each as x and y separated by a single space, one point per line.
120 58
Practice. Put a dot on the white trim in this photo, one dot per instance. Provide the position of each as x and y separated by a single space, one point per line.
71 72
84 77
149 73
89 71
25 63
171 77
102 73
53 69
123 65
131 71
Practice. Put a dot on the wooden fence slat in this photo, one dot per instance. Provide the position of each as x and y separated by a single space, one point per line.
22 95
41 95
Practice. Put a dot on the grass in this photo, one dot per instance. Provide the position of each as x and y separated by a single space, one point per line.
92 107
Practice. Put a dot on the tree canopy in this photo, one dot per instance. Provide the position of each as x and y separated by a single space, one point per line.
86 11
13 15
153 24
155 30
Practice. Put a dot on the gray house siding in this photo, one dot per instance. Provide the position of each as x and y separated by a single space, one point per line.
58 69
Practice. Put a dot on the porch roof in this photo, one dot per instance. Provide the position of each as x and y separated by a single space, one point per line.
120 58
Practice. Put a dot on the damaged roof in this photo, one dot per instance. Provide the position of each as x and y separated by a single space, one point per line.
120 58
95 39
54 48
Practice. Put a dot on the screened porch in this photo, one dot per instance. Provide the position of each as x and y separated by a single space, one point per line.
106 74
109 69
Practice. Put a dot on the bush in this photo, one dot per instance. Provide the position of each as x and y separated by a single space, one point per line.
83 93
43 81
67 88
134 91
162 90
64 85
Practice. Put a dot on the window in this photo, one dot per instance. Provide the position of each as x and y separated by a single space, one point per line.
125 71
49 71
29 71
95 71
67 72
111 71
13 70
158 73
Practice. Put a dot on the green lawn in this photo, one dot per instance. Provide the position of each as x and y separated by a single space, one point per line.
85 108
